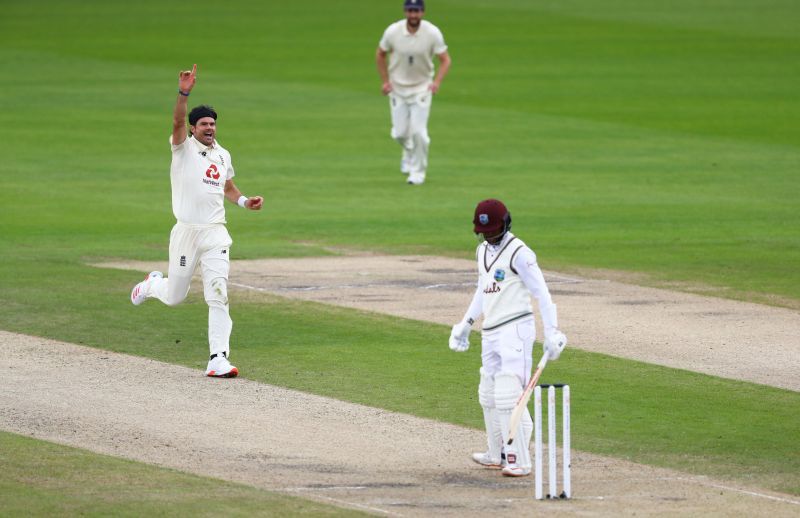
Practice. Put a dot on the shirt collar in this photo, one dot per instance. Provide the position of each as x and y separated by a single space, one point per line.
406 32
202 146
503 242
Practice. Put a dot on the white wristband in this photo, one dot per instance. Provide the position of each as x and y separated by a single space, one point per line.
242 201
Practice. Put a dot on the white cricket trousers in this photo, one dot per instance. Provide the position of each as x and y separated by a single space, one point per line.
208 246
509 349
410 128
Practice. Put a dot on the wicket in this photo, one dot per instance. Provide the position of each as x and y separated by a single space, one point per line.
551 441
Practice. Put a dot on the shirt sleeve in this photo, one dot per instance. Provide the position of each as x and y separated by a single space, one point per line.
385 43
476 306
439 45
231 172
528 269
180 147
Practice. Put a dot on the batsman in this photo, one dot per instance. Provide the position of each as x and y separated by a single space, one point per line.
508 274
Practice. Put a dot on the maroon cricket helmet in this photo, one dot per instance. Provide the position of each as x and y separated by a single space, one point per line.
491 216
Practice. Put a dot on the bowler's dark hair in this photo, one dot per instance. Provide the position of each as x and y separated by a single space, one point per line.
198 112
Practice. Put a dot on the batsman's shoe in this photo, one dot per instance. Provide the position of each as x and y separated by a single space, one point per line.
513 470
220 367
140 292
485 460
416 178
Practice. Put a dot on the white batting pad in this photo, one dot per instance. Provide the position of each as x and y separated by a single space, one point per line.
494 436
507 391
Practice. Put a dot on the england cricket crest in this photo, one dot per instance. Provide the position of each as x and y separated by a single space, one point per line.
499 275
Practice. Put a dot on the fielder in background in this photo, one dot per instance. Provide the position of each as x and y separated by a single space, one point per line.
507 275
202 177
408 80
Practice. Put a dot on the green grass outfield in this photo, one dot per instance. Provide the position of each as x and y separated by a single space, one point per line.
656 140
45 479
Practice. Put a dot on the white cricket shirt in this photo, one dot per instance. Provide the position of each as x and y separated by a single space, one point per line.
411 55
198 174
505 297
508 274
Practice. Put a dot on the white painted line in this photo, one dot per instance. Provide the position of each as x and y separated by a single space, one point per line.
326 488
348 287
562 279
435 286
703 482
744 491
341 502
245 286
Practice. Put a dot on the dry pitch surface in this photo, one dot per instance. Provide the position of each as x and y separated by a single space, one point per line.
374 460
703 334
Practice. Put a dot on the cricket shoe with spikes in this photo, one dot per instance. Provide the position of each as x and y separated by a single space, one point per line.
140 292
513 470
486 461
220 367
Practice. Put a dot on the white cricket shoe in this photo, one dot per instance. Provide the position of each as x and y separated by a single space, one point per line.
220 367
140 292
513 470
416 178
485 460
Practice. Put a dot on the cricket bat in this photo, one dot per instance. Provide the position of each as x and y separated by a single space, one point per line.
522 402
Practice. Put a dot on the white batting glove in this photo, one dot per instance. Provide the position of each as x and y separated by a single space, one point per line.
459 337
554 343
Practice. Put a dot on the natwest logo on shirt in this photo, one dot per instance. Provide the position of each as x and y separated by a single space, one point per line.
212 175
212 172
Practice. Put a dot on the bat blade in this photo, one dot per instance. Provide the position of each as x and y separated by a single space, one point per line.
522 402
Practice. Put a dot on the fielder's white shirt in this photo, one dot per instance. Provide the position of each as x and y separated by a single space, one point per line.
508 275
198 174
411 56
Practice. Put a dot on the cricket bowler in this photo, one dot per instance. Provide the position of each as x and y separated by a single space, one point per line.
202 178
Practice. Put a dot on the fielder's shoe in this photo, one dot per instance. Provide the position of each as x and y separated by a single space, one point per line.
416 178
485 460
140 292
514 470
220 367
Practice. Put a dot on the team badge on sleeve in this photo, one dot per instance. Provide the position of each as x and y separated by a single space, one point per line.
499 275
